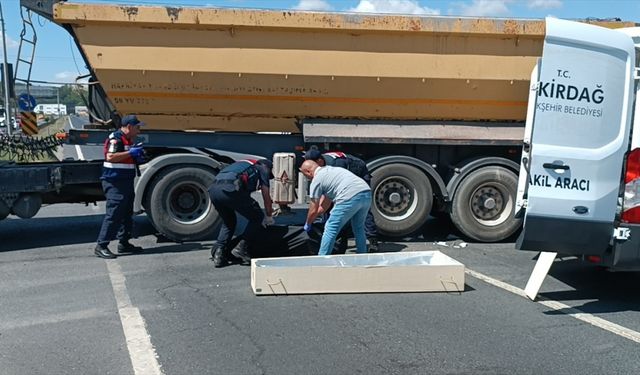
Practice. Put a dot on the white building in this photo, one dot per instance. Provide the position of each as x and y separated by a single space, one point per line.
51 109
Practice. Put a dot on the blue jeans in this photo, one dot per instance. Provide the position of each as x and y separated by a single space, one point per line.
354 209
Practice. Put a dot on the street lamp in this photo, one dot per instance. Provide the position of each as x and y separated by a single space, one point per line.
5 67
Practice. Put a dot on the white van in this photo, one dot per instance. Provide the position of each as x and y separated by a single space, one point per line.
579 186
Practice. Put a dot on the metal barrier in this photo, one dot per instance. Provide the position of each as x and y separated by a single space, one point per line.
21 148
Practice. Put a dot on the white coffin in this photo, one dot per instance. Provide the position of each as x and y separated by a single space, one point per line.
420 271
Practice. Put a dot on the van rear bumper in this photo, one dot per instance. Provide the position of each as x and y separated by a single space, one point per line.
625 255
565 236
581 238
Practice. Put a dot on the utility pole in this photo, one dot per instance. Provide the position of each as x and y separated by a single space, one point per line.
5 67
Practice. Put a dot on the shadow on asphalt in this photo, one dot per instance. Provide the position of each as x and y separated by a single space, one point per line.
442 229
22 234
176 248
602 291
391 247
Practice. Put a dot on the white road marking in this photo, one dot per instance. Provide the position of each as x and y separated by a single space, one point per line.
494 282
70 122
561 307
78 149
142 353
24 321
79 152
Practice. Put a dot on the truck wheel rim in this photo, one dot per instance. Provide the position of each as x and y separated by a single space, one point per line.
395 198
491 204
188 203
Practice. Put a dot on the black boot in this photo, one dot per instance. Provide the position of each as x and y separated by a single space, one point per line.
219 257
213 251
104 252
242 252
126 247
373 245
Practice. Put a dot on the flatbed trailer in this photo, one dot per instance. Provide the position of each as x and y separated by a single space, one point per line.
26 187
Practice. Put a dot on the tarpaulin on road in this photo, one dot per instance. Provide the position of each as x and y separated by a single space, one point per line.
285 241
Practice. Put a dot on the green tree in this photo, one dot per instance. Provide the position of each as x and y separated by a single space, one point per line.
70 95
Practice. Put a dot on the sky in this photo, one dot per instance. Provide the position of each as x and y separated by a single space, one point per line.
57 59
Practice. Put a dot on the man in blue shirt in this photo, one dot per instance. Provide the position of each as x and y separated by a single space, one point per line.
351 198
118 173
231 193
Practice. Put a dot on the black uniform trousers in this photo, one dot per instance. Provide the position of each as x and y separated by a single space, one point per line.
227 202
118 218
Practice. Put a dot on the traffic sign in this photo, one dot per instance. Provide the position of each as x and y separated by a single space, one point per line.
29 123
26 102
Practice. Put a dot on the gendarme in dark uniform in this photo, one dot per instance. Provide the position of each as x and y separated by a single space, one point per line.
231 193
118 174
358 167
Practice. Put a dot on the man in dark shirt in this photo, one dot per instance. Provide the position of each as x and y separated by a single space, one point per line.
231 193
118 173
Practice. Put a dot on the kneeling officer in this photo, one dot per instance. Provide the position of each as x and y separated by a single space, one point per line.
231 193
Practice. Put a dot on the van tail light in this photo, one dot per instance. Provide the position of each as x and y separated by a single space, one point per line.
631 203
594 259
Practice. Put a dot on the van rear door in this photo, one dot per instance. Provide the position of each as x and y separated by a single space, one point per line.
580 134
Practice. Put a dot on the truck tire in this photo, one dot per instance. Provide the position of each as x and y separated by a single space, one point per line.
4 209
146 203
402 199
179 206
483 205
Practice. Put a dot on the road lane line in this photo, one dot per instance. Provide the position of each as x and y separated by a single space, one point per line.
24 321
562 308
78 149
70 122
494 282
142 353
79 152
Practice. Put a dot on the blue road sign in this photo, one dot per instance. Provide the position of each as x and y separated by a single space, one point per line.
26 102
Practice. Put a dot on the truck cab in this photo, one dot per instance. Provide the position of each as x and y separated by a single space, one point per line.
579 186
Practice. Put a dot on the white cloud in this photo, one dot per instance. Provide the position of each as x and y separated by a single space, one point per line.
313 5
11 44
393 6
66 76
544 4
482 8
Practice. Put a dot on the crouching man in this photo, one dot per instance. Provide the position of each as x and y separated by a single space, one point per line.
351 197
231 193
358 167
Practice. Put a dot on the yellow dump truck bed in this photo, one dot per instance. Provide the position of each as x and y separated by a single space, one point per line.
256 70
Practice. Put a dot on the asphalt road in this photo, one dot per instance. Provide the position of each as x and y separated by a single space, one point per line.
62 313
77 152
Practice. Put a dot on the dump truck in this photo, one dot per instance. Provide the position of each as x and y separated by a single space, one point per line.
435 105
579 183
